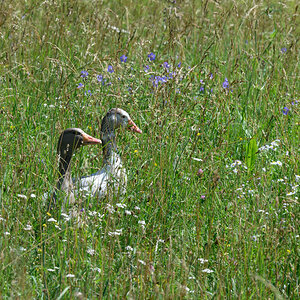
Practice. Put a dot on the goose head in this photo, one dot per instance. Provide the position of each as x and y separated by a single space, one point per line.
72 139
114 119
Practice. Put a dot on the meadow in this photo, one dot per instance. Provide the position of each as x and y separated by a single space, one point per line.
211 209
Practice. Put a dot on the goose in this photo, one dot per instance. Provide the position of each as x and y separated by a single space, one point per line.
112 177
69 140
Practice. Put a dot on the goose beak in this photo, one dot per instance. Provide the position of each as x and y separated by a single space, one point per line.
89 140
133 127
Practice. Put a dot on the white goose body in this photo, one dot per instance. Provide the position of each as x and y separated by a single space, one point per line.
112 178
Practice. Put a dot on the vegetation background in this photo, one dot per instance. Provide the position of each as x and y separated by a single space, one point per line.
212 204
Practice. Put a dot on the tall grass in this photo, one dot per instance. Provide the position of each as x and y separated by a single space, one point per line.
211 208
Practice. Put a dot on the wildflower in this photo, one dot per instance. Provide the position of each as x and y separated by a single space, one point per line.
80 85
88 93
28 227
129 248
295 102
91 251
121 205
123 58
285 110
297 178
200 172
179 65
211 76
142 222
137 208
151 56
207 271
50 270
70 276
110 69
48 214
142 262
32 196
52 220
166 65
6 233
288 251
127 212
84 74
203 197
100 78
146 68
202 260
283 50
278 163
22 196
202 89
226 84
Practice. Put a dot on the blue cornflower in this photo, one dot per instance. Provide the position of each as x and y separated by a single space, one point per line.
211 76
285 110
283 50
123 58
84 74
146 68
151 56
166 65
201 81
295 102
80 85
88 93
110 69
202 89
100 78
179 65
226 84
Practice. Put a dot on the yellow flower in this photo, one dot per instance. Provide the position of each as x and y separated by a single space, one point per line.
155 164
12 127
136 151
198 134
48 214
241 139
44 225
288 251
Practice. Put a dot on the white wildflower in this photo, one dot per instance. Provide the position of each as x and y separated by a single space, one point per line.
137 208
121 205
207 271
278 163
128 248
32 195
142 262
50 270
28 227
70 276
142 222
297 178
6 233
202 260
127 212
52 220
91 251
22 196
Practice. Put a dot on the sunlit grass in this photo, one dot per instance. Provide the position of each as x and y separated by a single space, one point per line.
211 206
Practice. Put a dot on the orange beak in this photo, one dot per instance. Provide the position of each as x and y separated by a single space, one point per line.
89 140
133 127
